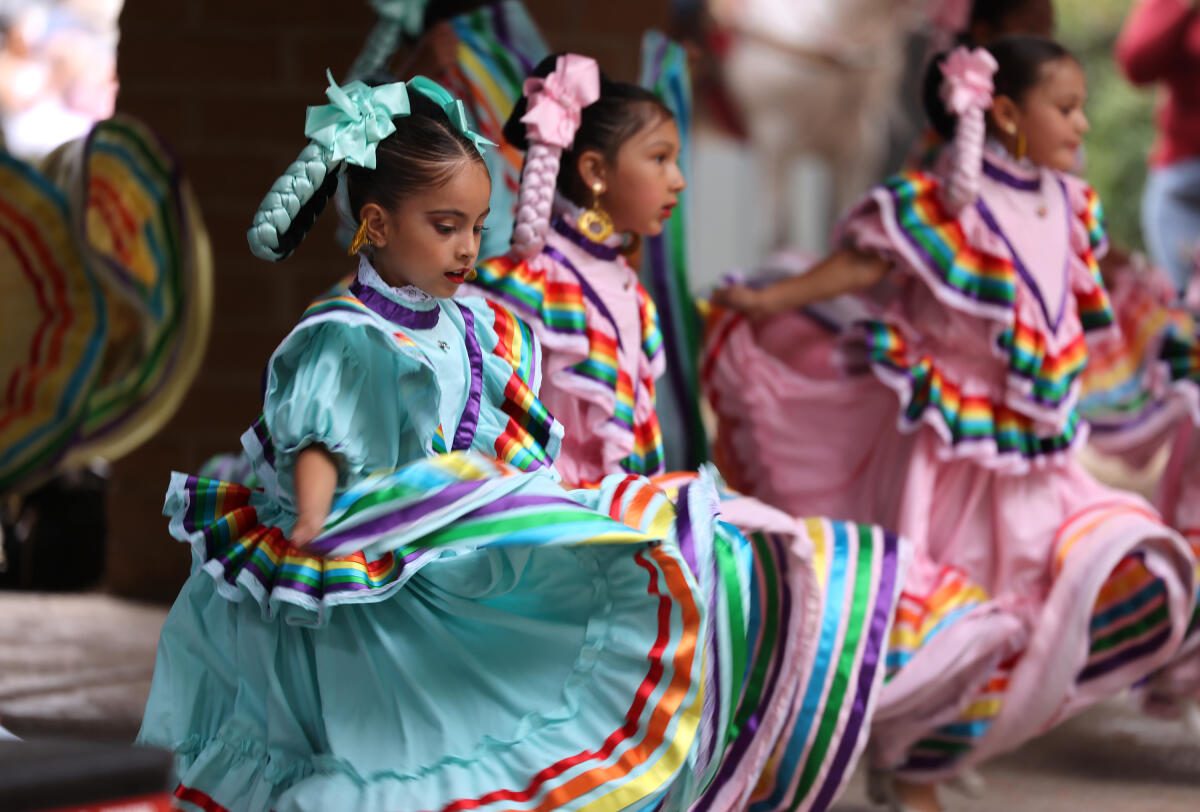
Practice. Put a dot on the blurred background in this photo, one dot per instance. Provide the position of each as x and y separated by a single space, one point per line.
222 85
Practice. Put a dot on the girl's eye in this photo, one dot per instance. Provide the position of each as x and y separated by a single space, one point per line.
442 228
661 159
480 229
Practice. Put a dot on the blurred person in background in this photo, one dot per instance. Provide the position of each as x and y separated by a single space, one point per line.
1160 44
57 71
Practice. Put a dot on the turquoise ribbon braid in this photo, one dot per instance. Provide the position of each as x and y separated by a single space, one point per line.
345 131
396 19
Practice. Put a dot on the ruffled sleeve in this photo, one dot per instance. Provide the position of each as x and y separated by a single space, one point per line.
322 389
958 259
553 308
609 412
1089 242
515 425
962 338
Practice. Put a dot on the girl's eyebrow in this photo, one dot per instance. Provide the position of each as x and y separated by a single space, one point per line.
453 212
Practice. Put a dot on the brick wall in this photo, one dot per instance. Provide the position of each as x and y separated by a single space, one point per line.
225 82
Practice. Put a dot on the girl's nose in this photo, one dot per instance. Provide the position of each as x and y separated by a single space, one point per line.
679 182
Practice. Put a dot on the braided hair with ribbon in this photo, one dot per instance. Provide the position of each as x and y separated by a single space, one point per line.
389 140
967 93
569 107
961 87
397 19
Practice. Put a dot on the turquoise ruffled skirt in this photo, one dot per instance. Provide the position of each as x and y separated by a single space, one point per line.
474 637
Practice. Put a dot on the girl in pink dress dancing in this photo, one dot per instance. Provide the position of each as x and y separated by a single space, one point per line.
950 416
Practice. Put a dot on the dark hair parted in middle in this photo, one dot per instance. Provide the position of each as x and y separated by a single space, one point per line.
621 112
424 152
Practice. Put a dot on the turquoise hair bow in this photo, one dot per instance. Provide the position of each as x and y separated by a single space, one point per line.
453 108
408 14
358 118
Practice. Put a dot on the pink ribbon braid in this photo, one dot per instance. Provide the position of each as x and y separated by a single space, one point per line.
555 109
967 93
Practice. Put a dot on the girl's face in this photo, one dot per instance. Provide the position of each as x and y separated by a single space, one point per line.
431 240
1051 116
642 186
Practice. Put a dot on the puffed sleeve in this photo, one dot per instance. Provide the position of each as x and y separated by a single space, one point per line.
329 386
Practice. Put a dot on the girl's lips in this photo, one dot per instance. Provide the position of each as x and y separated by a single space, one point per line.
457 277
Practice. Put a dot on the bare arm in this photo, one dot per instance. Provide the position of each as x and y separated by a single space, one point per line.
844 271
316 479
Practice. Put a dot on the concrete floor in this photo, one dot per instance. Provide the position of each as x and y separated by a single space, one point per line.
77 665
1110 759
81 665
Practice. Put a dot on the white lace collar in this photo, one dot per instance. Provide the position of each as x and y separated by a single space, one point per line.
998 152
409 294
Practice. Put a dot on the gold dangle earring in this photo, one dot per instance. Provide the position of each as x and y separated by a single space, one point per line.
1020 134
360 241
595 224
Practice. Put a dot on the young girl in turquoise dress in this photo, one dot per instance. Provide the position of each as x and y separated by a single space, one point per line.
412 614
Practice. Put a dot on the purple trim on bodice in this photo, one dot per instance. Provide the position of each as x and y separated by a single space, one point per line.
1023 270
597 249
393 311
589 292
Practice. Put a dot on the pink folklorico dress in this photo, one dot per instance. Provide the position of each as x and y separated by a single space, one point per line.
948 414
1141 390
821 593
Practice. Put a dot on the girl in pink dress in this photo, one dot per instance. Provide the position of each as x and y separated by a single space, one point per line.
950 416
1141 392
601 160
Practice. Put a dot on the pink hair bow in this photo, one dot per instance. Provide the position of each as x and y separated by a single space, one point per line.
967 80
556 102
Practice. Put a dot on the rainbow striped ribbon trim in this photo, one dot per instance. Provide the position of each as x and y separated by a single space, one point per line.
966 419
558 305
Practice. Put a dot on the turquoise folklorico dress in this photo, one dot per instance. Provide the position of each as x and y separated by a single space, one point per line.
464 633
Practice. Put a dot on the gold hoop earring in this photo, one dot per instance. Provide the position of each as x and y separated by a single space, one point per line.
360 241
595 224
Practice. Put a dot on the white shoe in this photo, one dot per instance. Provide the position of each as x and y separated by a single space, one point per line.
1190 713
881 789
968 782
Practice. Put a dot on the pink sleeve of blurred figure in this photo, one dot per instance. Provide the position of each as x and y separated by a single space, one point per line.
1191 41
1155 35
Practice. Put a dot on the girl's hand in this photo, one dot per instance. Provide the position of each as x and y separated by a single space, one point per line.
754 303
308 527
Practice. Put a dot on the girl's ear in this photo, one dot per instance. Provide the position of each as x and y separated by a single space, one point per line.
593 169
1006 115
375 218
